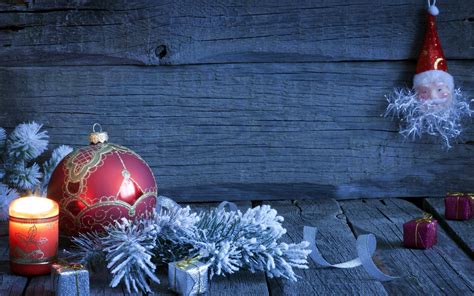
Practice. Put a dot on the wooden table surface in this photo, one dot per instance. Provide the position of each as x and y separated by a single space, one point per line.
445 269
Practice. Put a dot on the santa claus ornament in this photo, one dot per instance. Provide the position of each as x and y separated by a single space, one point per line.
433 106
99 184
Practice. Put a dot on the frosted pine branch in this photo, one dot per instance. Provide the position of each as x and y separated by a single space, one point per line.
88 249
27 141
48 167
128 252
229 241
174 227
232 240
23 177
21 148
7 195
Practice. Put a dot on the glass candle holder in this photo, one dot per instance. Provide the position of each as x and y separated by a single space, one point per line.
33 229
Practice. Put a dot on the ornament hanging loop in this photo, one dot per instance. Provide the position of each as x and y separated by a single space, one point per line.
98 137
95 126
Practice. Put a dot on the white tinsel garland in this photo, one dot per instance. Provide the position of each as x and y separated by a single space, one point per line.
420 117
229 241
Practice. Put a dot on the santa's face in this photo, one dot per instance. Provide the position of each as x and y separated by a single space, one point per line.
436 93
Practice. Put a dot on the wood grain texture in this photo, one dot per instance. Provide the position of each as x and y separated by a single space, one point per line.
253 131
461 231
11 285
39 286
336 243
443 269
244 282
190 32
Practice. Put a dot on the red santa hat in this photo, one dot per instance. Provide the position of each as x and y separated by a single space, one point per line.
431 62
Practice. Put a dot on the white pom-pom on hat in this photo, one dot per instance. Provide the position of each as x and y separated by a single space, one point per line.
433 10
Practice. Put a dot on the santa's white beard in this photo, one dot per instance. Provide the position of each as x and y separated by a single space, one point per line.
422 116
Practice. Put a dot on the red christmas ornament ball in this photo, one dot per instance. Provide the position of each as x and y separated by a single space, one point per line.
99 184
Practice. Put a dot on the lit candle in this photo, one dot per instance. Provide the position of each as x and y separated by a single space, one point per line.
33 229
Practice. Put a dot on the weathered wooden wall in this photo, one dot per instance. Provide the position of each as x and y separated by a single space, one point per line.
239 99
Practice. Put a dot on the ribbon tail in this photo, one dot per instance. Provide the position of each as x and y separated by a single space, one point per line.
309 234
366 245
165 202
232 206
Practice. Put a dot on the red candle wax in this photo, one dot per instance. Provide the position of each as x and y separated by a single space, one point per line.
33 229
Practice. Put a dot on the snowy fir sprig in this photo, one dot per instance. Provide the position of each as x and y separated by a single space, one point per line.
227 240
19 172
48 167
7 195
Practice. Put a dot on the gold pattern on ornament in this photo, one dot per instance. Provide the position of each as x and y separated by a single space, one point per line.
101 216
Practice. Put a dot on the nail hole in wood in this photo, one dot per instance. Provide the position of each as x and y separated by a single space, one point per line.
161 51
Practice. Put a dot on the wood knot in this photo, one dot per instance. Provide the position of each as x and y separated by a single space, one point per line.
161 51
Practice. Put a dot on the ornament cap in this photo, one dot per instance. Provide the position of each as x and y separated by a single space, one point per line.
98 137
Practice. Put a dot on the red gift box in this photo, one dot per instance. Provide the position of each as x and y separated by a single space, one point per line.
458 206
420 233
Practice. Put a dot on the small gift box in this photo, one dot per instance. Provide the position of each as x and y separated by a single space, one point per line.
420 233
70 279
458 206
188 277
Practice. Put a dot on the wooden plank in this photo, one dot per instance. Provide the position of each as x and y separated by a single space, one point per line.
441 270
335 241
39 286
100 281
460 231
251 131
183 32
244 282
10 284
4 248
99 284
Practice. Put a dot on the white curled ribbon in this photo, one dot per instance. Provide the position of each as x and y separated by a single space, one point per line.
165 202
365 244
232 206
